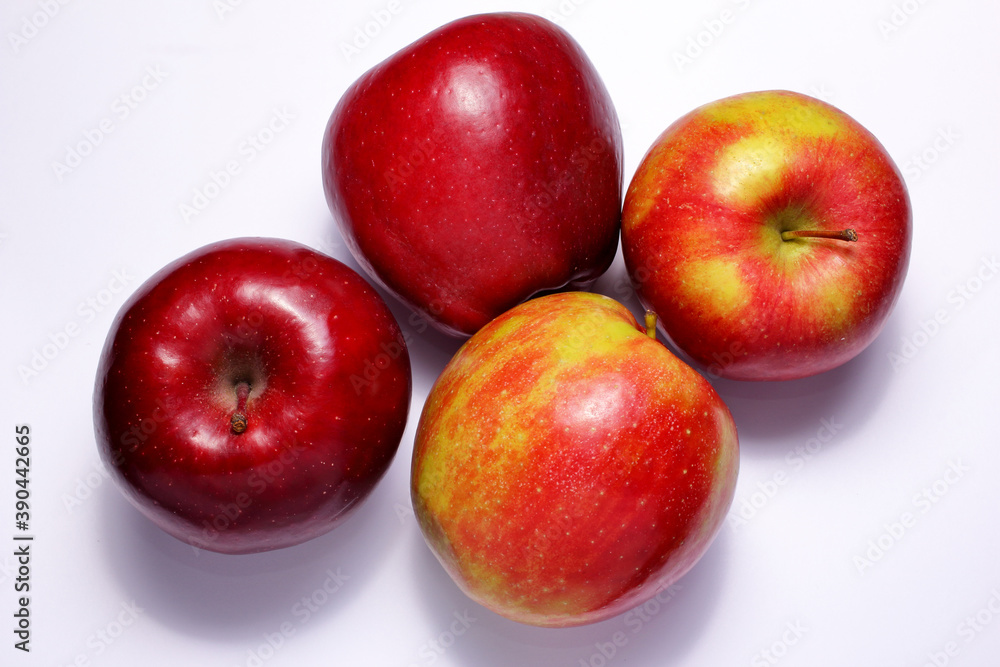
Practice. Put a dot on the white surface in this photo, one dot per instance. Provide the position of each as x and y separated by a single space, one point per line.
786 582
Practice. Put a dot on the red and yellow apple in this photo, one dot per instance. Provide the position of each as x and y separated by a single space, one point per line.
567 466
770 232
476 167
251 394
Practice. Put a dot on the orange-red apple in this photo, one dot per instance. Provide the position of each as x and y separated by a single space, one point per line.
770 232
567 466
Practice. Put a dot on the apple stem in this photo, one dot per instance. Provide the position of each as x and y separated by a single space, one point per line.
239 420
844 235
651 324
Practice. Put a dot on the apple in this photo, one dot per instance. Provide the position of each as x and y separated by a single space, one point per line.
770 232
567 466
251 394
476 167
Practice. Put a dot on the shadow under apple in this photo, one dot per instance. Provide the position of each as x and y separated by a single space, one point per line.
429 348
239 598
772 416
668 626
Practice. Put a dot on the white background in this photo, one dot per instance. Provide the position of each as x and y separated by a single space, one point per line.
821 571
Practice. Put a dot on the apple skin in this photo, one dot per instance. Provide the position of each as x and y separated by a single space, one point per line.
701 236
329 384
476 167
567 466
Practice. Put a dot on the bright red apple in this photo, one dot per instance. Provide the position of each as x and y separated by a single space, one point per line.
770 232
567 466
476 167
251 394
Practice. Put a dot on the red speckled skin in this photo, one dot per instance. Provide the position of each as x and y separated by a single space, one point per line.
701 236
476 167
567 467
330 390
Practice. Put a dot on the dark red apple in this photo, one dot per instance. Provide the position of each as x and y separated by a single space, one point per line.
476 167
251 394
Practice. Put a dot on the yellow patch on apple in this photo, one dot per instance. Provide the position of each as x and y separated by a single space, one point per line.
749 171
717 282
768 111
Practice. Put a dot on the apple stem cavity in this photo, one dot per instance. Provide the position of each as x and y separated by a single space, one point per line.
239 420
651 324
843 235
